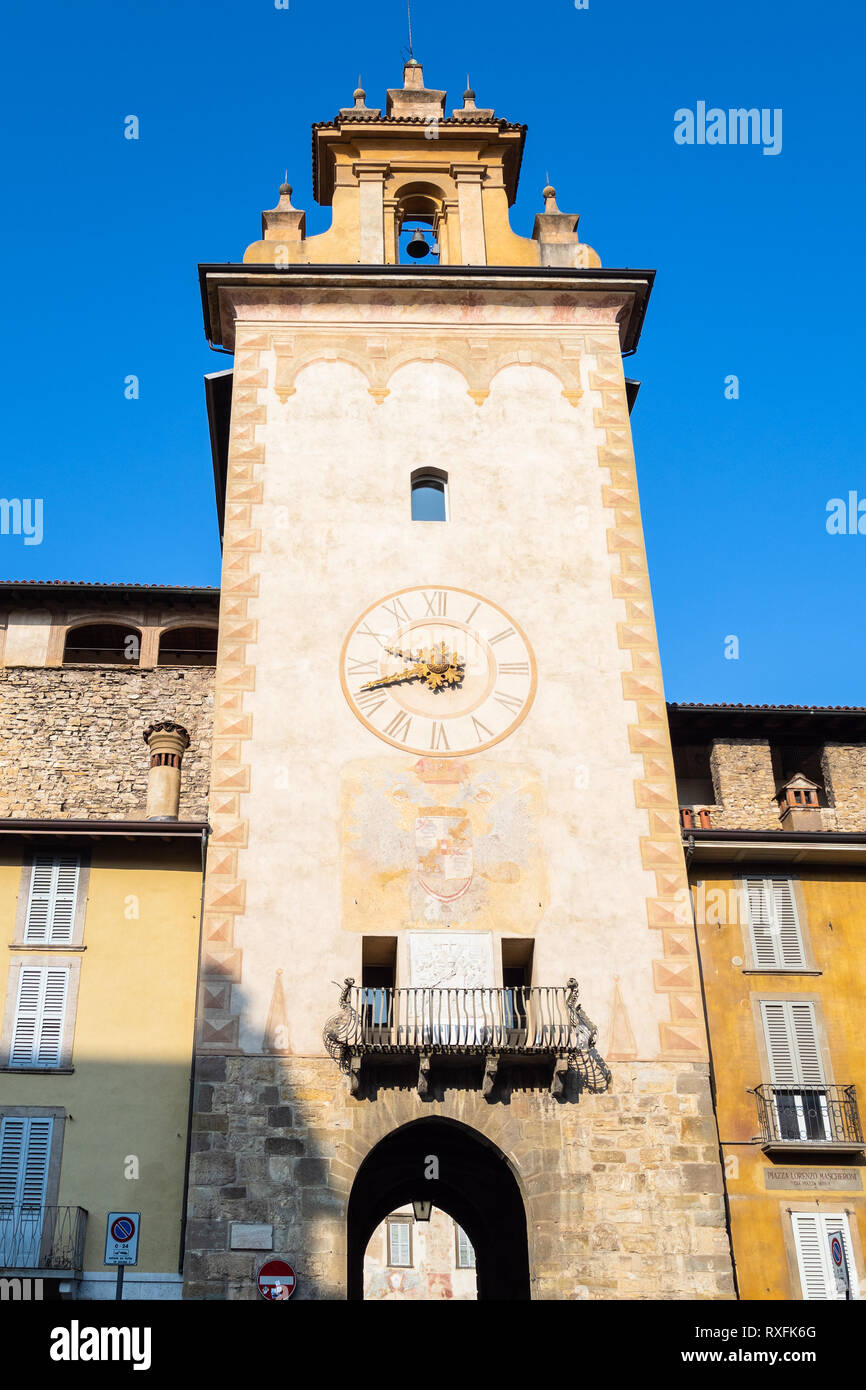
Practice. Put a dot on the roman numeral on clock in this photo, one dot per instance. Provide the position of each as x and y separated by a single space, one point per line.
362 668
398 611
481 730
368 701
514 668
399 727
437 605
501 636
365 630
510 702
438 737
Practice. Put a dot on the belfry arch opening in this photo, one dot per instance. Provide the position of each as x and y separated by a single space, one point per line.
470 1179
420 209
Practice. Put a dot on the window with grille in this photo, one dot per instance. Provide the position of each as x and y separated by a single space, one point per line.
52 899
774 922
825 1272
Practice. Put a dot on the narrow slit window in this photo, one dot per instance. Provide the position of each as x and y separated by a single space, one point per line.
429 495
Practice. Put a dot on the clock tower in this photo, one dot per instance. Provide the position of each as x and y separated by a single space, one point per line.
447 951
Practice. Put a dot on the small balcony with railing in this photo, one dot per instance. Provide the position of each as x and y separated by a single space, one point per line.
477 1030
809 1119
38 1241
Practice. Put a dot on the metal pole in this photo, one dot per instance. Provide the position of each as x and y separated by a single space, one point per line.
118 1293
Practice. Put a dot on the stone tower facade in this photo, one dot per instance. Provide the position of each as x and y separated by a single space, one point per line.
442 770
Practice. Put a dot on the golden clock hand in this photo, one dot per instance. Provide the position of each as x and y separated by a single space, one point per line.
412 674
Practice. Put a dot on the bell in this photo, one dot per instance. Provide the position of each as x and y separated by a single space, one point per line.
418 245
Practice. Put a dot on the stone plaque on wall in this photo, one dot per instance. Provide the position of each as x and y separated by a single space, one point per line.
816 1179
451 960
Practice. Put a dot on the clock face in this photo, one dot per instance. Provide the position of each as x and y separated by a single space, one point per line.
438 671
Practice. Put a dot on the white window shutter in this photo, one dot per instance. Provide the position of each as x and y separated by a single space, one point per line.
809 1239
780 1043
787 923
53 898
777 940
37 1039
761 924
792 1043
398 1243
812 1240
465 1251
808 1050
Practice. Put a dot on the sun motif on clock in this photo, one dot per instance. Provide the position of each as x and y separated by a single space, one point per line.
438 671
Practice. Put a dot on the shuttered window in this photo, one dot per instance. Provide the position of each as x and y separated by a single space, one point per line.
52 900
40 1012
400 1244
813 1234
777 940
465 1250
25 1144
25 1148
792 1043
796 1070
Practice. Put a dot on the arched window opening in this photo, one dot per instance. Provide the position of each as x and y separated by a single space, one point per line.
429 495
418 244
188 646
103 644
419 224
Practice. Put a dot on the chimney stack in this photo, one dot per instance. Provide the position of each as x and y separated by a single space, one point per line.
167 743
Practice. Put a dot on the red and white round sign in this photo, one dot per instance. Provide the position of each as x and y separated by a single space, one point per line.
276 1281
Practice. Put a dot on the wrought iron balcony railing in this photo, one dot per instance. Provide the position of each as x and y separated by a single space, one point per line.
809 1116
36 1237
545 1022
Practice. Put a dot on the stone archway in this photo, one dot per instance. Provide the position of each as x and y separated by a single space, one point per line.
475 1186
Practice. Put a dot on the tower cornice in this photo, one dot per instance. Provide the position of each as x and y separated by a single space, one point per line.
219 281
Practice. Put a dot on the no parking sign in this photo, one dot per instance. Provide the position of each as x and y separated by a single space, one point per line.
840 1264
121 1238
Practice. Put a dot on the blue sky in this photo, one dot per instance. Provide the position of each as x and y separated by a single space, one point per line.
754 255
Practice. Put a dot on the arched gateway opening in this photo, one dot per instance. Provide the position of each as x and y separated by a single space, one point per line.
475 1185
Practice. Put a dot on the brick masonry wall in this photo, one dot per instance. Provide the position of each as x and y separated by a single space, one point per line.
72 739
623 1191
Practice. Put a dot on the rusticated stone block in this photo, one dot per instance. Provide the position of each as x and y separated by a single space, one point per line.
311 1172
212 1169
210 1069
214 1124
702 1177
280 1117
284 1146
207 1235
